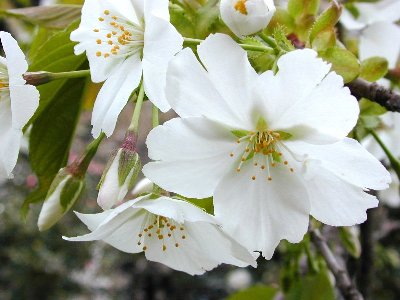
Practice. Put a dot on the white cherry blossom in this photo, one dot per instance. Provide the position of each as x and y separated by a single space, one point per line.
389 133
379 35
122 40
18 102
172 232
270 148
246 17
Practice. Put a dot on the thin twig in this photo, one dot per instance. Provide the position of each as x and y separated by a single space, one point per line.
343 281
376 93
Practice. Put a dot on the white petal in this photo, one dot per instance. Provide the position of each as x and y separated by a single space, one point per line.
231 73
161 42
259 213
302 84
114 95
158 8
10 138
315 110
336 202
16 62
191 92
194 154
350 23
204 248
178 210
349 161
118 227
381 39
24 102
109 193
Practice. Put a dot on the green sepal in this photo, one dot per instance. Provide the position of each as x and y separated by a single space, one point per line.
205 204
71 191
128 161
106 168
61 175
323 29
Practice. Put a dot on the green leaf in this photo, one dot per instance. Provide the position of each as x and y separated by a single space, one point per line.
374 68
350 241
343 62
369 108
257 292
51 16
314 287
55 55
53 131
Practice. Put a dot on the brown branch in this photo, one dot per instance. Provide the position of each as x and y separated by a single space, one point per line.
376 93
343 281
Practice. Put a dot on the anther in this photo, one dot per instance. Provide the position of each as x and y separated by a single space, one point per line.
96 30
164 248
262 167
101 19
177 245
253 177
140 235
149 234
269 178
109 35
106 12
98 42
183 237
98 53
231 155
238 170
160 237
291 170
144 248
285 162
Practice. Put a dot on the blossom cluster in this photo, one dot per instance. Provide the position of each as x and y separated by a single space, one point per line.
271 148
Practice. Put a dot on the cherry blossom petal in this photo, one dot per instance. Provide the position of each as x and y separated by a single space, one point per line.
196 150
197 86
381 39
349 161
336 202
231 73
315 110
24 102
114 95
391 196
16 62
161 43
259 213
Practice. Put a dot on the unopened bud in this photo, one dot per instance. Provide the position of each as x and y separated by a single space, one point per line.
63 193
246 17
142 187
120 174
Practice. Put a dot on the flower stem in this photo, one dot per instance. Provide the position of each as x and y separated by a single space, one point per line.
79 168
42 77
395 163
155 118
138 108
269 40
190 41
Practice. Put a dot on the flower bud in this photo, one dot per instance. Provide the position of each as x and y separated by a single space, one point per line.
142 187
63 193
246 17
120 174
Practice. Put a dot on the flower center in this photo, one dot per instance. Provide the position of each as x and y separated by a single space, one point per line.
264 149
161 228
120 36
240 6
